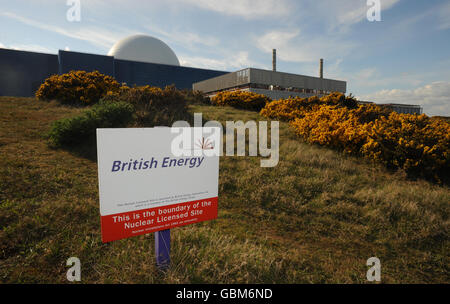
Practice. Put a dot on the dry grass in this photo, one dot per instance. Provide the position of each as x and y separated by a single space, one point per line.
315 218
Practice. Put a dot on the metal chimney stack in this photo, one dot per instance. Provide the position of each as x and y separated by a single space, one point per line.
274 60
321 68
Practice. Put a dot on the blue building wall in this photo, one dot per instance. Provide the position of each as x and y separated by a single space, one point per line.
74 61
21 72
160 75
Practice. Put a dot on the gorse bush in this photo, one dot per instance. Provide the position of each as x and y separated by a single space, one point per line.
415 143
241 100
286 109
77 87
153 106
81 129
295 107
337 127
332 126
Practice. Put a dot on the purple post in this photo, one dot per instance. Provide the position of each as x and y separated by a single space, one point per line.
162 249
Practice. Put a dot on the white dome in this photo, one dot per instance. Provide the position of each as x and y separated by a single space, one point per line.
144 48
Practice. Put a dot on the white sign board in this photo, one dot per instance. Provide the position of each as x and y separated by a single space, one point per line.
153 179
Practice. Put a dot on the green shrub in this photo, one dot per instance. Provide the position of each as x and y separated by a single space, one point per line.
195 97
82 129
154 106
77 88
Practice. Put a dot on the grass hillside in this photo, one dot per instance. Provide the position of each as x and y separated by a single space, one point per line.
315 218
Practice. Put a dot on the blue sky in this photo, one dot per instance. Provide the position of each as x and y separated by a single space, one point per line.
404 58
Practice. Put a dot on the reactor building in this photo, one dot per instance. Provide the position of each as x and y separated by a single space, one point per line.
135 60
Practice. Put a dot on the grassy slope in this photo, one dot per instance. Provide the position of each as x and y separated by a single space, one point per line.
317 217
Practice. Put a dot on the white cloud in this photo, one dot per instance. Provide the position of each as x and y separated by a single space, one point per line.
203 62
186 39
99 36
277 39
28 47
94 35
249 9
31 48
234 62
333 44
369 79
349 12
366 74
434 97
294 47
444 16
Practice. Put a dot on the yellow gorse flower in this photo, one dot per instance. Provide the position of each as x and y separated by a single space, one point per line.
77 87
417 144
240 99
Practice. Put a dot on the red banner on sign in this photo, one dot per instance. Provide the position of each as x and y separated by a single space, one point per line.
127 224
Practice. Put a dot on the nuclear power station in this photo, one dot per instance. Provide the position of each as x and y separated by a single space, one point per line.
144 60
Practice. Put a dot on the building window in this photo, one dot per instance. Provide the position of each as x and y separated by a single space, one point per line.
243 76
